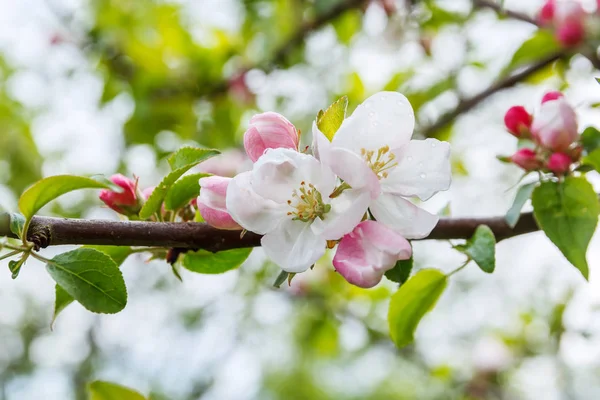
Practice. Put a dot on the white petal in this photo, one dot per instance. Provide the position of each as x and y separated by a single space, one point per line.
354 170
404 217
423 169
386 118
281 171
250 210
347 210
320 144
294 246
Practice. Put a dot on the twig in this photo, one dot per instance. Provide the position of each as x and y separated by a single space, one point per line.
470 103
62 231
504 12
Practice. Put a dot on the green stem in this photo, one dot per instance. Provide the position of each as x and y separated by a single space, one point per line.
459 268
12 253
40 258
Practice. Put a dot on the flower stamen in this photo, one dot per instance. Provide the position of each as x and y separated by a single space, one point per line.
307 204
380 163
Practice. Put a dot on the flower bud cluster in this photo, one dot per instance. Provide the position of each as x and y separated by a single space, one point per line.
567 19
553 132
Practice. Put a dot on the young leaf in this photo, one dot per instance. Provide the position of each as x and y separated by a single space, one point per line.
331 120
189 156
90 277
63 299
400 272
412 301
182 160
100 390
567 212
540 45
183 191
592 160
17 221
590 139
48 189
523 194
481 248
205 262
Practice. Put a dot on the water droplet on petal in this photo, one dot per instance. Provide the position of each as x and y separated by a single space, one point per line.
423 176
368 105
420 165
374 123
399 103
383 98
409 158
371 114
433 144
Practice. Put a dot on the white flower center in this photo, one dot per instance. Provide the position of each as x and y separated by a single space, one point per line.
307 203
381 161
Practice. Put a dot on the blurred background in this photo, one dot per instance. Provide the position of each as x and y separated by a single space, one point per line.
105 86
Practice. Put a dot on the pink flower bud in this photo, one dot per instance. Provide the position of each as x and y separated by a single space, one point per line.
366 253
559 163
552 95
229 163
526 159
570 34
546 15
518 121
555 125
125 203
211 203
269 131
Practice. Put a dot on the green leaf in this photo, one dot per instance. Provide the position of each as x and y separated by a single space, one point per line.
481 248
205 262
412 301
401 271
181 162
48 189
183 191
590 139
567 212
523 194
90 277
63 299
331 119
540 45
17 222
100 390
189 156
592 160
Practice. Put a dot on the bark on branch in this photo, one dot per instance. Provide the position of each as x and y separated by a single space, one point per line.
47 231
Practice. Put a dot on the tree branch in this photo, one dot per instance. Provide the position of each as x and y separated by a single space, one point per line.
47 231
467 105
504 12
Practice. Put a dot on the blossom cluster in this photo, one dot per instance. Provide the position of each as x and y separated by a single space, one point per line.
350 190
553 132
568 19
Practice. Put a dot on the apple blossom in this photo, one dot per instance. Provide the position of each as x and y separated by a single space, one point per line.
366 253
518 121
526 159
559 163
372 150
126 202
211 203
269 131
567 17
285 197
555 125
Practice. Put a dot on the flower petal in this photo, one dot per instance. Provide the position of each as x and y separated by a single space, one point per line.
404 217
250 210
363 256
423 169
280 171
347 210
294 246
384 119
